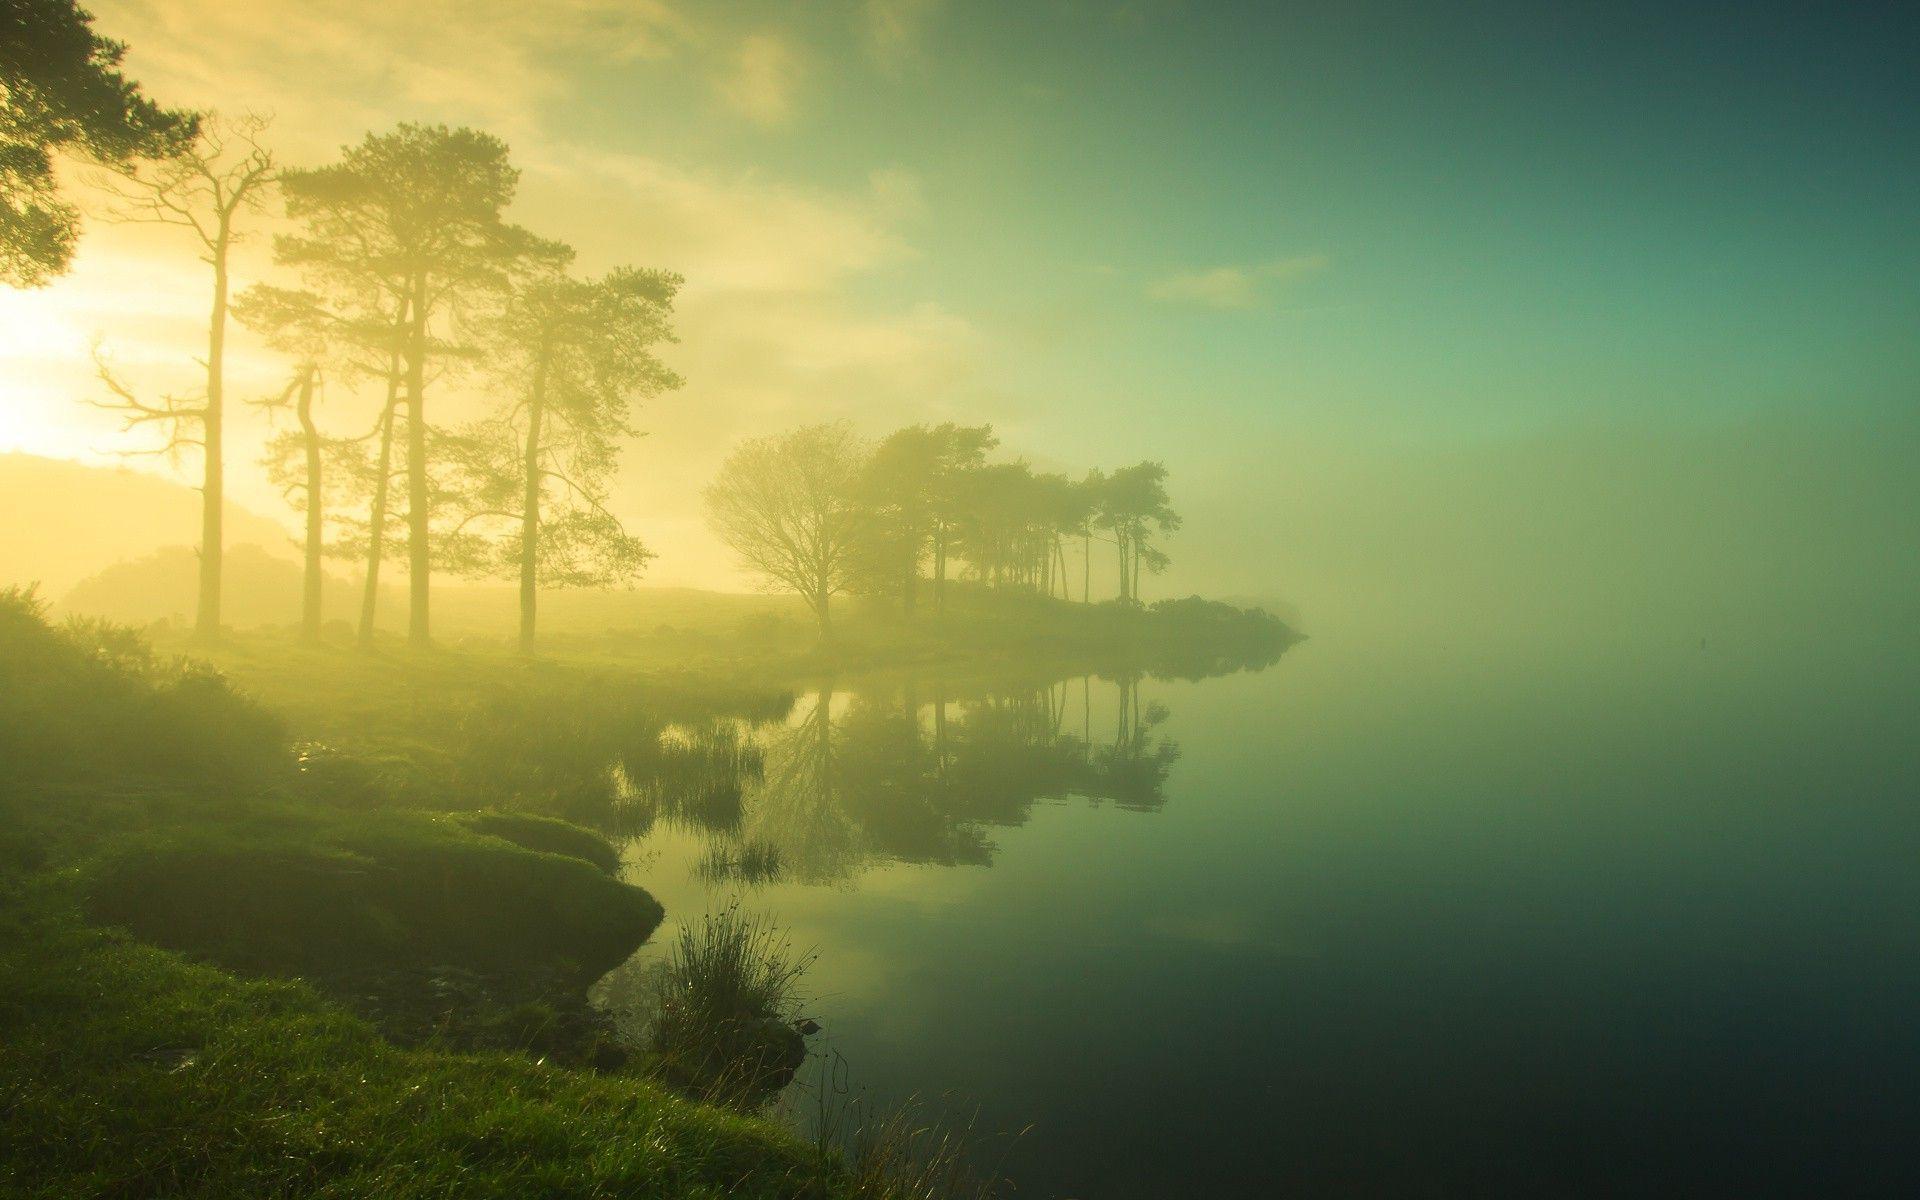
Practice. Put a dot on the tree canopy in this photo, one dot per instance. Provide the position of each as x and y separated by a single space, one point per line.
788 505
62 90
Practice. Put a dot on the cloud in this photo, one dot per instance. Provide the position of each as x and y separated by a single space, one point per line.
493 62
760 81
779 322
728 233
897 193
894 29
1232 288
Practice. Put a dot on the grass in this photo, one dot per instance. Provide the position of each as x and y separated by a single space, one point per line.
129 1071
531 831
726 997
172 857
194 908
285 889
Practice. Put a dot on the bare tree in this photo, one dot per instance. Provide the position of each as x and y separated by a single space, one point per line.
206 189
789 507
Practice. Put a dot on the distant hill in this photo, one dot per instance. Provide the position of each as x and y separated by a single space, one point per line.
258 589
264 589
67 520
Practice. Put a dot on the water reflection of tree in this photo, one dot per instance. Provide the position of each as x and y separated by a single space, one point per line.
795 812
1132 771
909 770
888 776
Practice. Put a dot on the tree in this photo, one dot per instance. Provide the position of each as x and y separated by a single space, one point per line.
956 452
61 89
1091 491
415 216
1133 504
899 491
788 506
576 355
204 189
298 325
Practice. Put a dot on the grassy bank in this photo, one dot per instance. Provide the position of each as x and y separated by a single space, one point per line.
294 919
185 910
127 1070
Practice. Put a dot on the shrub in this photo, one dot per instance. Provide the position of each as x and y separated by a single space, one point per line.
92 699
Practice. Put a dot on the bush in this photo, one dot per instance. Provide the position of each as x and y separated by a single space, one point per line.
92 700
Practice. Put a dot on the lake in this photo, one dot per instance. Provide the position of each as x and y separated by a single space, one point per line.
1402 915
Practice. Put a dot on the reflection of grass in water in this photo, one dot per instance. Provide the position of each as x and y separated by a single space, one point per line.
750 864
690 775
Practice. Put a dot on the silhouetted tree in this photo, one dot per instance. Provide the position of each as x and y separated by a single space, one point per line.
787 505
1134 505
576 354
416 214
958 451
204 189
1086 508
296 324
910 492
61 90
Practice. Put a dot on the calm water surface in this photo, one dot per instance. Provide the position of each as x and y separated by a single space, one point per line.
1394 917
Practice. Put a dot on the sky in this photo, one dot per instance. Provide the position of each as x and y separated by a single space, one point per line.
1395 291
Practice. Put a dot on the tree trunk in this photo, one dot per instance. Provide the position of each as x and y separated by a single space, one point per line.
377 515
206 625
419 518
1086 568
821 601
310 582
382 480
1120 545
939 571
940 729
530 506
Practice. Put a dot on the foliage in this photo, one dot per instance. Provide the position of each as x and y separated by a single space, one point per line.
789 507
61 89
93 700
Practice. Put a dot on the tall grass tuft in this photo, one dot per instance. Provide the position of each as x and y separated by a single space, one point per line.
900 1153
726 998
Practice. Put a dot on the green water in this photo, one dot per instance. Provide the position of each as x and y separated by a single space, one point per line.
1402 915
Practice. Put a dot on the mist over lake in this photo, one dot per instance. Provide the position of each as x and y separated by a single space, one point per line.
908 600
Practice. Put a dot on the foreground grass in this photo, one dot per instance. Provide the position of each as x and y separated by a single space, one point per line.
126 1070
193 806
135 792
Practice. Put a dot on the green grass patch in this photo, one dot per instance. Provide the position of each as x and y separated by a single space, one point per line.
127 1071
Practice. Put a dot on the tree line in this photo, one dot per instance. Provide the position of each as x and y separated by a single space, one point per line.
400 273
403 273
820 512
